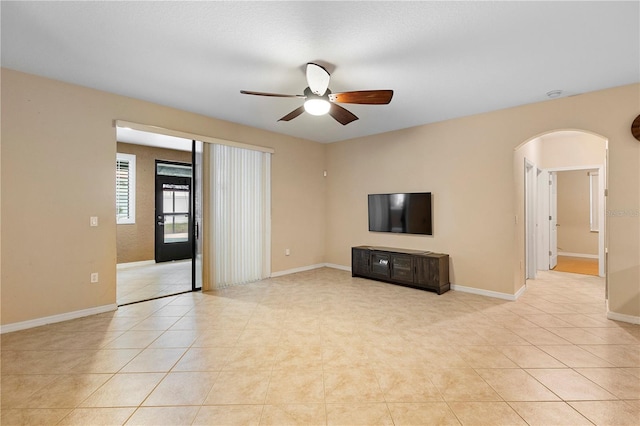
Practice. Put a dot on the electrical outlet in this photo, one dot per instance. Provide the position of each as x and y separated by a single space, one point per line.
93 221
94 277
287 252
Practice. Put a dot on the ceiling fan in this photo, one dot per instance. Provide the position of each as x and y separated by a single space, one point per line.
319 100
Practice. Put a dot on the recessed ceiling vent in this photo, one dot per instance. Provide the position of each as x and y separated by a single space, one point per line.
552 94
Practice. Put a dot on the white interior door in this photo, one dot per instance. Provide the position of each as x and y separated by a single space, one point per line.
542 201
553 220
530 218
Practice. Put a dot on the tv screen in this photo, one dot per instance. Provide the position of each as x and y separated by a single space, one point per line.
408 213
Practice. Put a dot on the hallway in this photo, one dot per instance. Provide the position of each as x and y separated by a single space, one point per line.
150 281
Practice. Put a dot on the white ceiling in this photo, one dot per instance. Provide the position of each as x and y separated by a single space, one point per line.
442 59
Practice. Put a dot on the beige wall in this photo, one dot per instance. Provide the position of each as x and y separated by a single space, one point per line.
571 149
136 241
574 214
468 164
48 248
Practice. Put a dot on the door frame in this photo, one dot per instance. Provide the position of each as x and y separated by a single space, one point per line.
531 217
188 245
159 133
552 222
601 211
197 205
206 252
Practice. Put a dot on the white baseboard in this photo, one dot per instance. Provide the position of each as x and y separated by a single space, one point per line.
489 293
460 288
309 268
296 270
520 292
623 317
135 264
587 256
23 325
335 266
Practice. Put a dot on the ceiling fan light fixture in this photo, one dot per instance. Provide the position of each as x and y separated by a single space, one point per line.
319 100
317 106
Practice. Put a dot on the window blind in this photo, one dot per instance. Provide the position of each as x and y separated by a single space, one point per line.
125 188
240 215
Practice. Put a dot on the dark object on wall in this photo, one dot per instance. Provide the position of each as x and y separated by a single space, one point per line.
411 268
408 213
635 128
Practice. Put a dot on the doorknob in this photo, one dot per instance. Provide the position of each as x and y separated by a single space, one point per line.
160 223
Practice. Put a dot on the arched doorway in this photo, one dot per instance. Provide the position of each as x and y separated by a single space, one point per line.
537 163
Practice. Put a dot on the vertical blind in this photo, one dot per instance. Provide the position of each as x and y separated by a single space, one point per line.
240 182
125 188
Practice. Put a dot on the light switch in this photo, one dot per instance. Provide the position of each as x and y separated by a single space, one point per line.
93 221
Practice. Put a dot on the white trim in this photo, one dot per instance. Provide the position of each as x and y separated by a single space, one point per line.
530 205
585 167
296 270
23 325
520 292
135 264
190 136
459 288
309 268
336 266
489 293
560 130
594 201
588 256
623 317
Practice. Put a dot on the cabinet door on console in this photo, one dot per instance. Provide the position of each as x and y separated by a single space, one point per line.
402 268
360 261
432 272
380 266
425 270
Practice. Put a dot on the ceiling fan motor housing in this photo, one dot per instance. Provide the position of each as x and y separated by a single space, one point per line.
310 95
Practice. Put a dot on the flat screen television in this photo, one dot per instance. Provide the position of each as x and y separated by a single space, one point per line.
407 213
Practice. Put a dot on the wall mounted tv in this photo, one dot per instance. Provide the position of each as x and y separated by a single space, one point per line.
407 213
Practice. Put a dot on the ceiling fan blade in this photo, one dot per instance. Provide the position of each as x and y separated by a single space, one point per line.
341 115
293 114
277 95
317 78
367 97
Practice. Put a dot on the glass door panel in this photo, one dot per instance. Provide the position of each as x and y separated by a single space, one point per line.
173 218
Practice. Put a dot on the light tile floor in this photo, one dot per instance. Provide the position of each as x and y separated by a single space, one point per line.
150 281
323 348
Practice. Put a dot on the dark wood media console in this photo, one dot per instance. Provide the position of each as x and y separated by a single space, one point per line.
412 268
